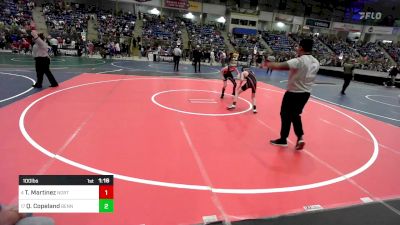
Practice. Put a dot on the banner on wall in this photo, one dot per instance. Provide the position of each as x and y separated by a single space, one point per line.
195 6
347 27
244 31
178 4
378 30
318 23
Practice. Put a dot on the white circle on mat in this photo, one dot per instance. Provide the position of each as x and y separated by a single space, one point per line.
154 100
192 186
392 97
32 60
17 75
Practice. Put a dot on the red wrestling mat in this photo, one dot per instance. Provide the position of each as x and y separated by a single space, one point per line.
178 155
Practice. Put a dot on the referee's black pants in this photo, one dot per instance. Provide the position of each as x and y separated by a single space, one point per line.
42 65
176 63
196 63
291 109
54 48
347 78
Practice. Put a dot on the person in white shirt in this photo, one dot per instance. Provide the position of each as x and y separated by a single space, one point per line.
117 49
302 73
223 58
158 53
270 58
177 56
212 57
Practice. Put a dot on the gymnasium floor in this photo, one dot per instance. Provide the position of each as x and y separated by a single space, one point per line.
178 155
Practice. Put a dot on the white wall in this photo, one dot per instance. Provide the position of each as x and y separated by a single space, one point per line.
214 9
266 16
126 7
156 3
211 18
244 16
295 28
298 20
284 18
145 8
263 25
380 37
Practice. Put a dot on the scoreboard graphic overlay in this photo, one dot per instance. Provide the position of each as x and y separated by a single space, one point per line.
66 194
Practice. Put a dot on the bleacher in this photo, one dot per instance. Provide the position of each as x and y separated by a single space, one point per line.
247 44
114 27
205 36
374 58
66 21
15 20
16 14
164 31
278 42
340 47
320 50
393 50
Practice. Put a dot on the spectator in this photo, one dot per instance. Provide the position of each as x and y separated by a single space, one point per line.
25 46
177 56
117 49
223 58
134 42
348 68
212 57
197 55
392 74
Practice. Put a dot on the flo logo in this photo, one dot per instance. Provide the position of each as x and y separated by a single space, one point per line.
370 15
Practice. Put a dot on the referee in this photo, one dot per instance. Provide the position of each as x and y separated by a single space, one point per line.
177 57
302 73
42 60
